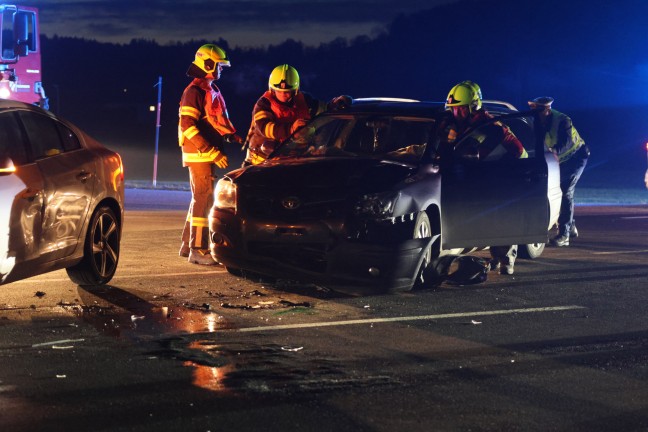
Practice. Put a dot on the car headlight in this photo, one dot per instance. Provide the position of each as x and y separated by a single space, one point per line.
379 205
225 194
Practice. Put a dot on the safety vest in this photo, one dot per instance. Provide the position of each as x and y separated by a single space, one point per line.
210 122
551 136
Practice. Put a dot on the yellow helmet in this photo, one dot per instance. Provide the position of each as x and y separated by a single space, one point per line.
464 94
207 59
284 78
474 86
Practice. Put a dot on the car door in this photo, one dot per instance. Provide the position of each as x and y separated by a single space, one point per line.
69 173
21 196
497 200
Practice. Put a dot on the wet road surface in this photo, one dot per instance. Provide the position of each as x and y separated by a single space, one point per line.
561 345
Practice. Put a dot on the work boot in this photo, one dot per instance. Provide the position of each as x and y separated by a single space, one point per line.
506 269
493 264
184 250
573 232
202 257
560 240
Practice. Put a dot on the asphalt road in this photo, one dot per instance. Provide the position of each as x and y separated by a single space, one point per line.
560 345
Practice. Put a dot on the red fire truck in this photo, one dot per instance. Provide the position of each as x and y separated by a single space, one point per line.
20 59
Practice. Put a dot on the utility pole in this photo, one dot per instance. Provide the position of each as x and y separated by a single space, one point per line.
157 130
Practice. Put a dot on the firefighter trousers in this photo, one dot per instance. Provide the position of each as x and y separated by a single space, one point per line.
196 229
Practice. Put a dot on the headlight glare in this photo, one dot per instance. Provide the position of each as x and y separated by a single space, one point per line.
225 194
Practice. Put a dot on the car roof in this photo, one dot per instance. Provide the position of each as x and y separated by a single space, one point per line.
412 107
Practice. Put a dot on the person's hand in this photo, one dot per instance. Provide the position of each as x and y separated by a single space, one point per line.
340 102
298 124
233 139
217 157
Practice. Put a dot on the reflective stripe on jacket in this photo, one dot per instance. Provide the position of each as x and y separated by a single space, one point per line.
203 121
272 122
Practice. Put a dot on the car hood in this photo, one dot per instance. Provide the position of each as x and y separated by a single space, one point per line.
365 174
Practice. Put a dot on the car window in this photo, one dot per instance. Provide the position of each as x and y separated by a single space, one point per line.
69 138
487 141
390 137
43 134
12 141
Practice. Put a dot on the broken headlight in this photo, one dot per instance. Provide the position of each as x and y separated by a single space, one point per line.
378 205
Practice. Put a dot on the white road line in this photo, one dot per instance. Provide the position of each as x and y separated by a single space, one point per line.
620 252
408 318
118 278
634 217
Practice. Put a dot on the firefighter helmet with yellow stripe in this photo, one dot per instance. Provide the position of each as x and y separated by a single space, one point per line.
284 78
207 59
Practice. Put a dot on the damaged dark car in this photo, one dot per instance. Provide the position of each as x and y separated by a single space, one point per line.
362 199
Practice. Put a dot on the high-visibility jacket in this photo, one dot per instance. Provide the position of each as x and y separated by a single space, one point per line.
272 122
561 136
203 122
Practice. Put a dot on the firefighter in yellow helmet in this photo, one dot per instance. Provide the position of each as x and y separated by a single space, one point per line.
464 101
282 110
558 133
203 129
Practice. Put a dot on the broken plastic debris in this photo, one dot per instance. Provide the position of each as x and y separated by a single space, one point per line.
293 349
39 294
56 342
475 322
137 317
61 376
367 306
62 347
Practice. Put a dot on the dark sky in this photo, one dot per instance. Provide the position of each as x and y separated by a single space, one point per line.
243 23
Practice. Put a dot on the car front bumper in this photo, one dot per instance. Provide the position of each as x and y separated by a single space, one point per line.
315 252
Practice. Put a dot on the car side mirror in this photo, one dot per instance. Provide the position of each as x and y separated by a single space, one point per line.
6 166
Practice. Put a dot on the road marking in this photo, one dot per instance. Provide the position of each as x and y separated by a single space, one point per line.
408 318
634 217
118 278
620 252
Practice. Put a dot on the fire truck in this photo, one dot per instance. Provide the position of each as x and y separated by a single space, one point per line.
20 59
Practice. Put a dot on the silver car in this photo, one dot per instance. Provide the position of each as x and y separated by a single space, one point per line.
61 195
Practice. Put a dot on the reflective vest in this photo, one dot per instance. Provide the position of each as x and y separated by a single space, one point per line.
551 136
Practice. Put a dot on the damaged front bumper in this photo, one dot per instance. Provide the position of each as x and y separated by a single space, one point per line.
315 252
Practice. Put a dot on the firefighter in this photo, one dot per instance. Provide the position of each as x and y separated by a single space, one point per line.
555 129
465 103
203 129
282 110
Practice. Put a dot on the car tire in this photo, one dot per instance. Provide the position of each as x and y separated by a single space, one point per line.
100 250
531 250
422 229
234 271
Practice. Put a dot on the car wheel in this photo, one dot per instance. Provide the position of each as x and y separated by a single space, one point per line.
100 250
422 229
531 250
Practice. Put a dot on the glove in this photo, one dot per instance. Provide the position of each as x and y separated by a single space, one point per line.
233 139
298 124
340 102
221 160
217 157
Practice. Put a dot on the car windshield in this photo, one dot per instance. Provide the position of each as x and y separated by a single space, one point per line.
387 137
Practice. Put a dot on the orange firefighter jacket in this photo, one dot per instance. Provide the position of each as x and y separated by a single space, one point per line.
203 122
